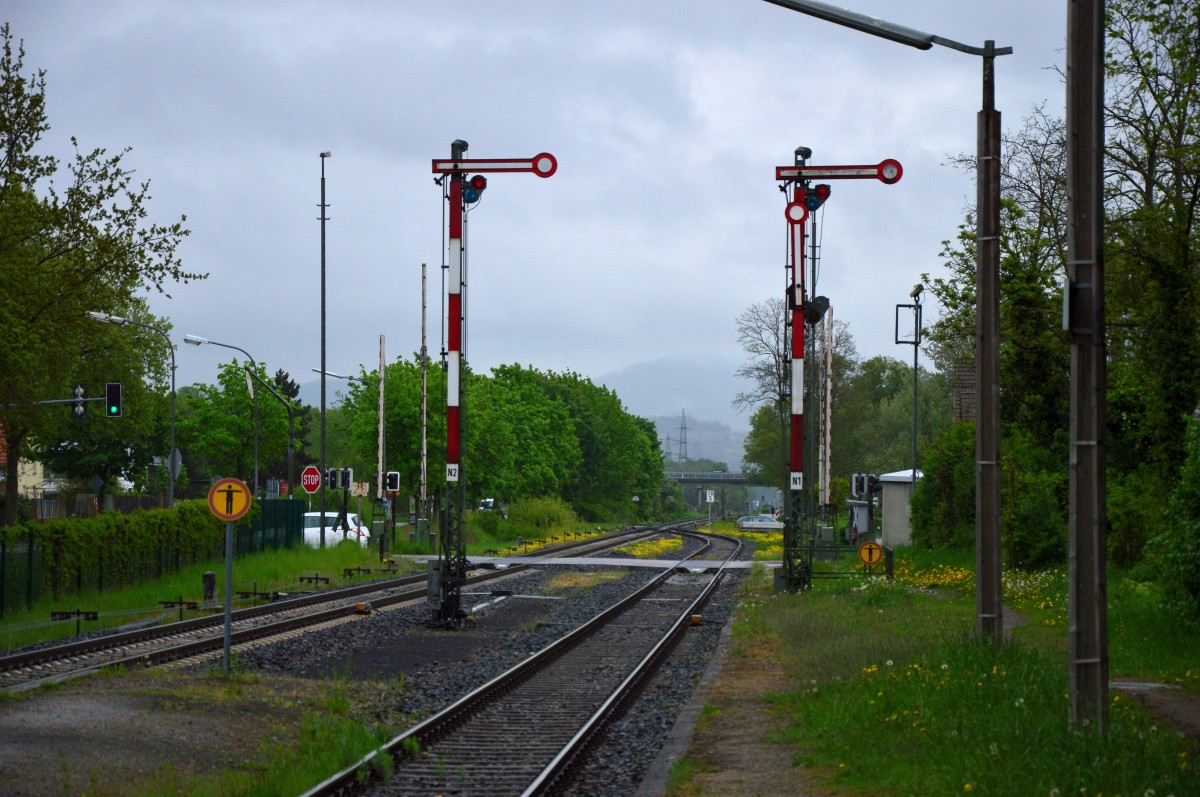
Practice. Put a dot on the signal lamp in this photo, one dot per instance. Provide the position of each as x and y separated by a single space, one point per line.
473 188
816 196
112 400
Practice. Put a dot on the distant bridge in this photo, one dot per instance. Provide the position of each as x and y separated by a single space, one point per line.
707 477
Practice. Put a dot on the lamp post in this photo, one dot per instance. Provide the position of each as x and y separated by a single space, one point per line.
196 340
988 611
119 321
915 307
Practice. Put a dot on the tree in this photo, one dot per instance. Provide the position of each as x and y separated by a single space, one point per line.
111 448
1153 181
762 333
303 416
62 254
216 425
765 459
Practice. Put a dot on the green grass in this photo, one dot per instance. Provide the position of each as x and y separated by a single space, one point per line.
895 697
272 571
325 742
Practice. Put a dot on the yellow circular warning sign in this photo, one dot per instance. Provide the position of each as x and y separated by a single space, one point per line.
229 499
871 553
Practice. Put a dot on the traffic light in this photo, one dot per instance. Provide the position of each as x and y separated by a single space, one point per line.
79 408
815 197
473 188
858 484
112 400
393 481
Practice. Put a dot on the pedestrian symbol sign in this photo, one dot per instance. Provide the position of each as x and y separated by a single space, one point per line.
229 499
870 552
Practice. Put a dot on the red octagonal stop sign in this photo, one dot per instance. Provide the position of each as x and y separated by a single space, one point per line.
310 479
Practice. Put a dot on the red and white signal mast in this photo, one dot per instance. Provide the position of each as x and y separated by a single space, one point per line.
463 183
799 528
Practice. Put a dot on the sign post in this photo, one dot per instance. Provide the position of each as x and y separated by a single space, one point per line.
229 500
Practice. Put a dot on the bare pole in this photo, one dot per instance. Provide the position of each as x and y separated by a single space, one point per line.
1087 611
380 447
424 403
324 219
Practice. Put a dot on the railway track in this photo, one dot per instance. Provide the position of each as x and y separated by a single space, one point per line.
195 637
525 731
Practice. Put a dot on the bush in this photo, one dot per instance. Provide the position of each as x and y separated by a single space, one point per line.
1135 505
1177 549
1034 492
488 522
943 506
541 514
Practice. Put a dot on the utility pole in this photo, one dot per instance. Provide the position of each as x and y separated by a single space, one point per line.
1083 316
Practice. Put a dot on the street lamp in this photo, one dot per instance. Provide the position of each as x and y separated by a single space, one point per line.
915 295
113 319
988 610
196 340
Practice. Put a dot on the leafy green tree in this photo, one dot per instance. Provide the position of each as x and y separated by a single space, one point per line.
943 505
62 253
1153 181
217 427
612 444
1176 549
111 448
304 419
765 458
762 333
521 442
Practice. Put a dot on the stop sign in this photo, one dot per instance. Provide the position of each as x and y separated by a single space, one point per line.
310 479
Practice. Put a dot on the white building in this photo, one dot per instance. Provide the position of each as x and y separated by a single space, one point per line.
897 509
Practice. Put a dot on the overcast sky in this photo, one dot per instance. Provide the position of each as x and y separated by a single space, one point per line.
667 118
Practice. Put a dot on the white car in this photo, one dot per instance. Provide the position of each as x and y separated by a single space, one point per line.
333 536
759 523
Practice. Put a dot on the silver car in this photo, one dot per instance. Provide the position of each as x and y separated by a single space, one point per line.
759 523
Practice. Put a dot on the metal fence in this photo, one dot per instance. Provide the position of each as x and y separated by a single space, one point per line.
25 561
